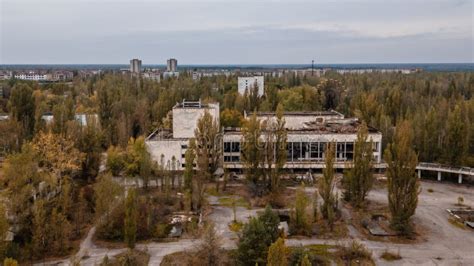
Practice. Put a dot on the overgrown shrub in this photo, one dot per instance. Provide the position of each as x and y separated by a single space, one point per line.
115 160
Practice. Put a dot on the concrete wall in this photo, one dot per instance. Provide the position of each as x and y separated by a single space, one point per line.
167 148
185 119
247 83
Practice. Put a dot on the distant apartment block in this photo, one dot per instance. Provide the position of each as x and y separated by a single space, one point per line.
198 74
246 84
135 66
32 75
171 69
171 65
43 76
62 75
377 70
5 75
152 75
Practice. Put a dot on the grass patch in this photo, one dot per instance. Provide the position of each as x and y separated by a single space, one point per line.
236 226
318 254
355 252
320 249
390 256
229 201
213 191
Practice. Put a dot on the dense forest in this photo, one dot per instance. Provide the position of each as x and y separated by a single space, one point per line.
439 106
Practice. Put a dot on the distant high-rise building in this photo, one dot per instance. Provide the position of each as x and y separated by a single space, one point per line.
135 66
172 65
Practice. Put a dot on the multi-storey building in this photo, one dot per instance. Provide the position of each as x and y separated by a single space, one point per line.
135 66
308 136
32 75
171 65
152 75
5 75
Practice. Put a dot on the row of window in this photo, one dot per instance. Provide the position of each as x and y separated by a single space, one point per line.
298 151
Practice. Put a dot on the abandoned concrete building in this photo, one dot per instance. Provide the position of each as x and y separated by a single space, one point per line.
308 136
168 146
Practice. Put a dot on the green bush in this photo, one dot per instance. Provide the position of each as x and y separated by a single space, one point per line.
162 230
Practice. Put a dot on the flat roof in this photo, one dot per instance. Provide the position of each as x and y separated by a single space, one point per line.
337 126
303 113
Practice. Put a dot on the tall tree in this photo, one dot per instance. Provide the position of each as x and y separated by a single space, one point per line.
57 155
300 219
40 235
359 179
403 186
270 221
326 186
277 254
257 235
4 226
105 193
253 244
130 222
457 137
189 158
208 145
138 160
275 141
89 141
251 150
22 108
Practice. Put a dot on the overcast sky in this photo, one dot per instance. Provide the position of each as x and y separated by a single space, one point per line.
236 32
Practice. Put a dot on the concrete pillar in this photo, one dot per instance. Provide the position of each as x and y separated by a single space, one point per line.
460 178
439 176
419 173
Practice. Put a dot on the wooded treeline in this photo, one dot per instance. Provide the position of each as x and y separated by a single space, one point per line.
439 105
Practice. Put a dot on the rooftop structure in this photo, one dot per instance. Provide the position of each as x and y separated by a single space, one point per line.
169 145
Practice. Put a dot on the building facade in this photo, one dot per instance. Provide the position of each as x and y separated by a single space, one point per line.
32 75
171 65
135 66
308 136
246 84
168 146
